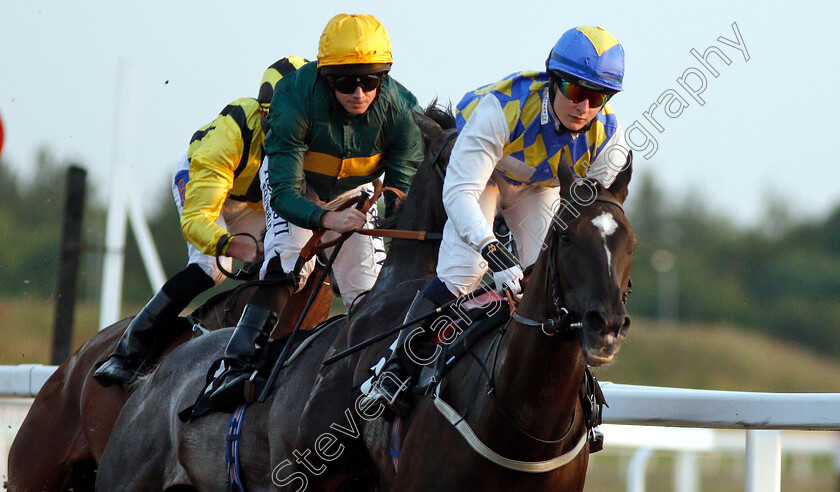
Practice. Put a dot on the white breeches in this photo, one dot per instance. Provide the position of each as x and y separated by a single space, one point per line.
358 262
528 211
236 217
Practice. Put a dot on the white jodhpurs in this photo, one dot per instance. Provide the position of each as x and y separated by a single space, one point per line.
528 211
358 262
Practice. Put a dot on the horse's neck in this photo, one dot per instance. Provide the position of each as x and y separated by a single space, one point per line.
407 260
410 259
539 375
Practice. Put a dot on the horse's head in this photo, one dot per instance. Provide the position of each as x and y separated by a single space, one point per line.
590 245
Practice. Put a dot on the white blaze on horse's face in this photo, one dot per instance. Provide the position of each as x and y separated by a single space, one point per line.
607 225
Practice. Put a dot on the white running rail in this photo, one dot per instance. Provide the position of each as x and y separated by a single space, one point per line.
762 415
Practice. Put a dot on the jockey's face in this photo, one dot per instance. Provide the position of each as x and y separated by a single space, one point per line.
573 116
264 118
357 102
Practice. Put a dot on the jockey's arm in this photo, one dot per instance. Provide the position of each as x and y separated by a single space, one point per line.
480 145
211 178
287 183
285 146
403 157
244 249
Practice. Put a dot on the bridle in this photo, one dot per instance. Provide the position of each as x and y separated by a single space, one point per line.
441 171
563 321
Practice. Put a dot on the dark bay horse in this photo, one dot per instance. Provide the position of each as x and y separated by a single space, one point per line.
518 392
70 421
163 453
313 434
520 395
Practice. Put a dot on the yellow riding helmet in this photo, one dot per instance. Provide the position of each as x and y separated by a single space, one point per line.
273 74
354 44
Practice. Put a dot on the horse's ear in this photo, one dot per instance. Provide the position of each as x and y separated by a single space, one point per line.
620 186
427 126
564 172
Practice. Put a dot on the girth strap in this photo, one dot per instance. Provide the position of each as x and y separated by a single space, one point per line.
479 447
232 449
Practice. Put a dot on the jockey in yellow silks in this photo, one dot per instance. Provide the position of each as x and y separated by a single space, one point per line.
216 188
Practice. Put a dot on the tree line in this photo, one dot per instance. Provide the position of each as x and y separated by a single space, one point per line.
781 277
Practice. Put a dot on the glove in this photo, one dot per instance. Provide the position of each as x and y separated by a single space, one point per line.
505 267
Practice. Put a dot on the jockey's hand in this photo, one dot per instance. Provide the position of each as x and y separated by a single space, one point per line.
343 220
244 249
505 267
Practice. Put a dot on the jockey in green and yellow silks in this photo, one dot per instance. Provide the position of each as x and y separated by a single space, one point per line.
335 127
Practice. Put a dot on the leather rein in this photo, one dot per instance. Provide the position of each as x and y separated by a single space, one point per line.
314 246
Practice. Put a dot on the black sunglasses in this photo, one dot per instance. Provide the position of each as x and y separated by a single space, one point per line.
346 84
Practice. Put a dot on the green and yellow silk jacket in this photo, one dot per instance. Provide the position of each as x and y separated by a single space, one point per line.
314 143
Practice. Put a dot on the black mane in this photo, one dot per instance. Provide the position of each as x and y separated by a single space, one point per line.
434 115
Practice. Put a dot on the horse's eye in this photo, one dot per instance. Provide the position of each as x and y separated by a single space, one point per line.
565 238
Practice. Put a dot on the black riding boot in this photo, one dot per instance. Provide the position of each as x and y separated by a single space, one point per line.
242 353
138 342
393 383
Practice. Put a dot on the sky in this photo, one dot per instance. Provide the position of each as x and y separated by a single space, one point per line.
100 82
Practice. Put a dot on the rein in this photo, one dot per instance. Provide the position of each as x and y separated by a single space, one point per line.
313 246
553 326
248 269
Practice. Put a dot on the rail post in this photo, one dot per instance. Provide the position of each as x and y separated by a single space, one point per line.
764 461
68 265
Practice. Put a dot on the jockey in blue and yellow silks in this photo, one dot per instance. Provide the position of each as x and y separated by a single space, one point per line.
524 98
512 136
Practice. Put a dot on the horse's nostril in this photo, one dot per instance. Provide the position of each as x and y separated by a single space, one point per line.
594 318
611 323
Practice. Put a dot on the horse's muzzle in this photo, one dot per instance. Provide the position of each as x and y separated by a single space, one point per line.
602 336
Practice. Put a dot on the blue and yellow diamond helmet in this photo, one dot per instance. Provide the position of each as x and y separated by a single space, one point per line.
591 54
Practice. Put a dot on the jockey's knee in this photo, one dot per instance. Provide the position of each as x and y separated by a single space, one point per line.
212 271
